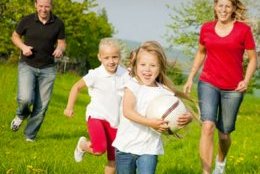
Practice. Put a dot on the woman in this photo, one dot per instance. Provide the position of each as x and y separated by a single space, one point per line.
221 84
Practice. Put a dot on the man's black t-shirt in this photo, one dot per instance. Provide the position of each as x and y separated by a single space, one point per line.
42 37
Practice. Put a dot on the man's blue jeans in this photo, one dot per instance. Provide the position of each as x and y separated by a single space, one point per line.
34 93
127 163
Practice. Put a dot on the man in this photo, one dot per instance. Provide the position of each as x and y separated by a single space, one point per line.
43 41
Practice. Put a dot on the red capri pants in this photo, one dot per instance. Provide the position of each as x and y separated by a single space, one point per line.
102 136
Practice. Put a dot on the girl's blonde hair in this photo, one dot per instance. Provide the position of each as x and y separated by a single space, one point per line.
131 58
109 41
156 49
240 12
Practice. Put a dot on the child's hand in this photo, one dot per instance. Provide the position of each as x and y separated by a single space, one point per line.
184 119
68 112
159 125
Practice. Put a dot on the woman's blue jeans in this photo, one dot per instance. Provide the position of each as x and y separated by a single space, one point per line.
34 93
219 106
127 163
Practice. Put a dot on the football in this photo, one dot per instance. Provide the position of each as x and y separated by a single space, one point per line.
167 107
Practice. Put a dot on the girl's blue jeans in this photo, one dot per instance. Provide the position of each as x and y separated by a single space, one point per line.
127 163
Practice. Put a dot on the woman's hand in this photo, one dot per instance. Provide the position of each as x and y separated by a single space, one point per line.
242 86
187 87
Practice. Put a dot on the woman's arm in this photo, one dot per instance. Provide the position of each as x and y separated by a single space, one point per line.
197 63
250 70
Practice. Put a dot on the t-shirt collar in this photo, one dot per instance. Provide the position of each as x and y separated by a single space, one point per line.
51 19
137 81
107 74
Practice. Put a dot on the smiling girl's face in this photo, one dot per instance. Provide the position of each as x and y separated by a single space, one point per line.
147 68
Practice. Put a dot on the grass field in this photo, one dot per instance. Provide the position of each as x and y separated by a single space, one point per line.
52 153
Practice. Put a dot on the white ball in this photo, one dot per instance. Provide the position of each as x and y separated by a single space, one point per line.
167 107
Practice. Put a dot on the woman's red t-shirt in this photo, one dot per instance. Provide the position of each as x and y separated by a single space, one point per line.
223 66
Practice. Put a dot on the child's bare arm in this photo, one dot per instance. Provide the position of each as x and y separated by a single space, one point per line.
129 111
185 119
73 97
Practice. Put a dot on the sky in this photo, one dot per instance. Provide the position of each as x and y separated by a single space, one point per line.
138 20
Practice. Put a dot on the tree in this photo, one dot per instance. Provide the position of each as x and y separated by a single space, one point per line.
84 28
174 72
186 22
10 12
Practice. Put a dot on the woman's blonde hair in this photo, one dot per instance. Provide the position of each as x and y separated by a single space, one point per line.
240 10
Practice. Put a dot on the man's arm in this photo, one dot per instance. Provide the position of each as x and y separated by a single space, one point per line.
17 40
61 46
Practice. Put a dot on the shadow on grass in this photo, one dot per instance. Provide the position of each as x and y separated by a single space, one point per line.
63 136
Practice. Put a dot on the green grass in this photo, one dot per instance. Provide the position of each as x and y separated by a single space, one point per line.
52 153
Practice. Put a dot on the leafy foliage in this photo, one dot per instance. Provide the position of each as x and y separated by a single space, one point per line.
174 72
186 21
11 12
84 29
